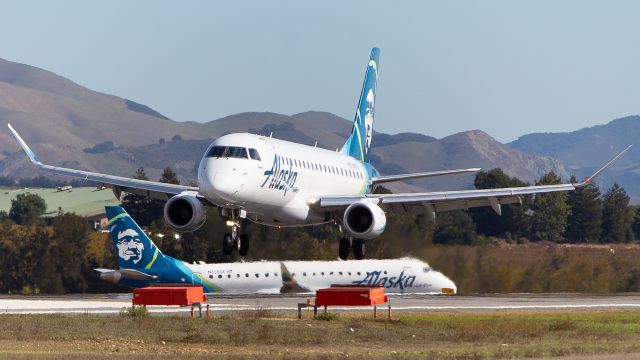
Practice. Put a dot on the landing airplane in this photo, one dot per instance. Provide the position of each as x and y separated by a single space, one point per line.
141 264
281 183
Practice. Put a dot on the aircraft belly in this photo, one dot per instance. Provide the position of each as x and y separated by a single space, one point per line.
282 215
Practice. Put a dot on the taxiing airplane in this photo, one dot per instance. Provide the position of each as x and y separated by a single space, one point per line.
281 183
141 264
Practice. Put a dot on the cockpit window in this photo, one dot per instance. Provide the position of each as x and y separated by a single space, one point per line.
426 269
216 151
228 152
253 153
236 152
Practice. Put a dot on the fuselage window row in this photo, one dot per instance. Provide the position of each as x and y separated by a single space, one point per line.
250 153
275 274
345 172
340 273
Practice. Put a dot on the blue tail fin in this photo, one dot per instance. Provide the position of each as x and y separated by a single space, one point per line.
134 249
358 143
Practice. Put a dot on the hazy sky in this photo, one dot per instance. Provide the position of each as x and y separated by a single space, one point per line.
505 67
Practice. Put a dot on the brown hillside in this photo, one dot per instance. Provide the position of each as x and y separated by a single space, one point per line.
60 118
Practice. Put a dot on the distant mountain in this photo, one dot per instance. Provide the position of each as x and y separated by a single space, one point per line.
464 150
70 125
584 150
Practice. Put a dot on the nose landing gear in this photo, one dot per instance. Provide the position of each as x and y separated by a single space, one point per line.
243 245
227 244
235 240
358 249
344 247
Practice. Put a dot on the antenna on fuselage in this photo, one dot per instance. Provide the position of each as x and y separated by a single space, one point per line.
316 144
271 134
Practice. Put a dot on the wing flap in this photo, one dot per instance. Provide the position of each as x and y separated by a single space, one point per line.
447 200
402 177
432 207
474 194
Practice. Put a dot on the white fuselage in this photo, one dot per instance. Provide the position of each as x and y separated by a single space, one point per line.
397 276
276 188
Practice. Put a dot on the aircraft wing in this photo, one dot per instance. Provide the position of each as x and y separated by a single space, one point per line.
432 202
119 184
446 200
401 177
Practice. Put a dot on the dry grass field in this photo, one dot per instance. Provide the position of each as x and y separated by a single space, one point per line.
262 334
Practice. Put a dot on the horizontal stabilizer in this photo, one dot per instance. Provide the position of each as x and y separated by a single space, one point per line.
129 274
401 177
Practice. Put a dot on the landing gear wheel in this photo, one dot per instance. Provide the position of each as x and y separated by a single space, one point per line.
243 245
358 249
227 244
344 248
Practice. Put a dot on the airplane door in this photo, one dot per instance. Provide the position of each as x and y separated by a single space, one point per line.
406 271
194 276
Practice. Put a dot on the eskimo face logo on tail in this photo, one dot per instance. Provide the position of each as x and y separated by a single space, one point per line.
368 118
130 247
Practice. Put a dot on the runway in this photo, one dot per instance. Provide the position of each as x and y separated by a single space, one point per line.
114 303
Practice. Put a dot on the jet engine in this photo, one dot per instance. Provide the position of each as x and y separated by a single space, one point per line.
364 220
184 212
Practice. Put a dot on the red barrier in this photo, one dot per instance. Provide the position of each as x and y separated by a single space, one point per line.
351 296
169 295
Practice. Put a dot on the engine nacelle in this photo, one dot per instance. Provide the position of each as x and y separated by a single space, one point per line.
364 220
184 212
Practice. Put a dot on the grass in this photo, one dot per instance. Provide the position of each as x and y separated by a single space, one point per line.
135 311
419 335
327 316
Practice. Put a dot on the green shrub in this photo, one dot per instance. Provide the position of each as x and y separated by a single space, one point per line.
327 316
135 311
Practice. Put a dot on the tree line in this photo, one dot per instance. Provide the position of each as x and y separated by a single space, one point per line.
580 216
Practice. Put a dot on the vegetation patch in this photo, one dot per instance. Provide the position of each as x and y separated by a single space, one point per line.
327 316
135 311
353 335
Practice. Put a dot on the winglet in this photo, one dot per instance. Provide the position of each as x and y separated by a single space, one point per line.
589 179
32 156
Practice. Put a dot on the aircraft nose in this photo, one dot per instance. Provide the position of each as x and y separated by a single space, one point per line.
223 184
443 284
216 178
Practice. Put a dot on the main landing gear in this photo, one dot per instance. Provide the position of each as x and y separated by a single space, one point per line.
349 243
235 240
